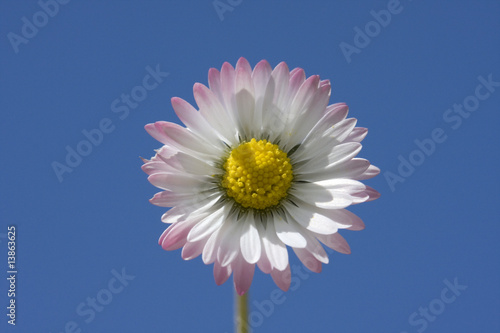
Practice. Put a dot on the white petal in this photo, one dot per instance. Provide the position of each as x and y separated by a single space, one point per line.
309 116
260 77
245 102
319 196
297 78
164 153
171 199
315 248
208 225
289 232
186 141
342 185
209 254
368 194
371 172
194 120
274 249
357 135
250 241
335 156
353 169
341 130
180 183
214 83
333 114
273 108
230 236
264 264
310 219
304 97
344 219
193 249
155 167
174 214
360 197
183 212
227 81
193 165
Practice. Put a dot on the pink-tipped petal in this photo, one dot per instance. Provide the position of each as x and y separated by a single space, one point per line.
264 264
308 260
186 141
315 248
227 78
194 120
344 219
193 249
221 273
328 158
175 236
156 167
372 193
180 183
357 134
242 275
214 84
343 129
260 78
282 278
309 116
297 78
336 242
245 100
213 111
305 96
243 65
275 99
156 132
371 172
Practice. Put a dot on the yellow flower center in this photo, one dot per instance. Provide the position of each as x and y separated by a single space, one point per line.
258 174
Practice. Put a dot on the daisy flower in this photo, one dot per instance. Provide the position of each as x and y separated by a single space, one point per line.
265 163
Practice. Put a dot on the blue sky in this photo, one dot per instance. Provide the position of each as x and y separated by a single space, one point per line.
423 76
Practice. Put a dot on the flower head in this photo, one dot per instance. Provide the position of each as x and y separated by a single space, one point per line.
265 163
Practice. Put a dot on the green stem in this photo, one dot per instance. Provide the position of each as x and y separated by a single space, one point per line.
241 313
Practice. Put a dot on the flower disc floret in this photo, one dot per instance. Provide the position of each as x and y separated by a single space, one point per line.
257 175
